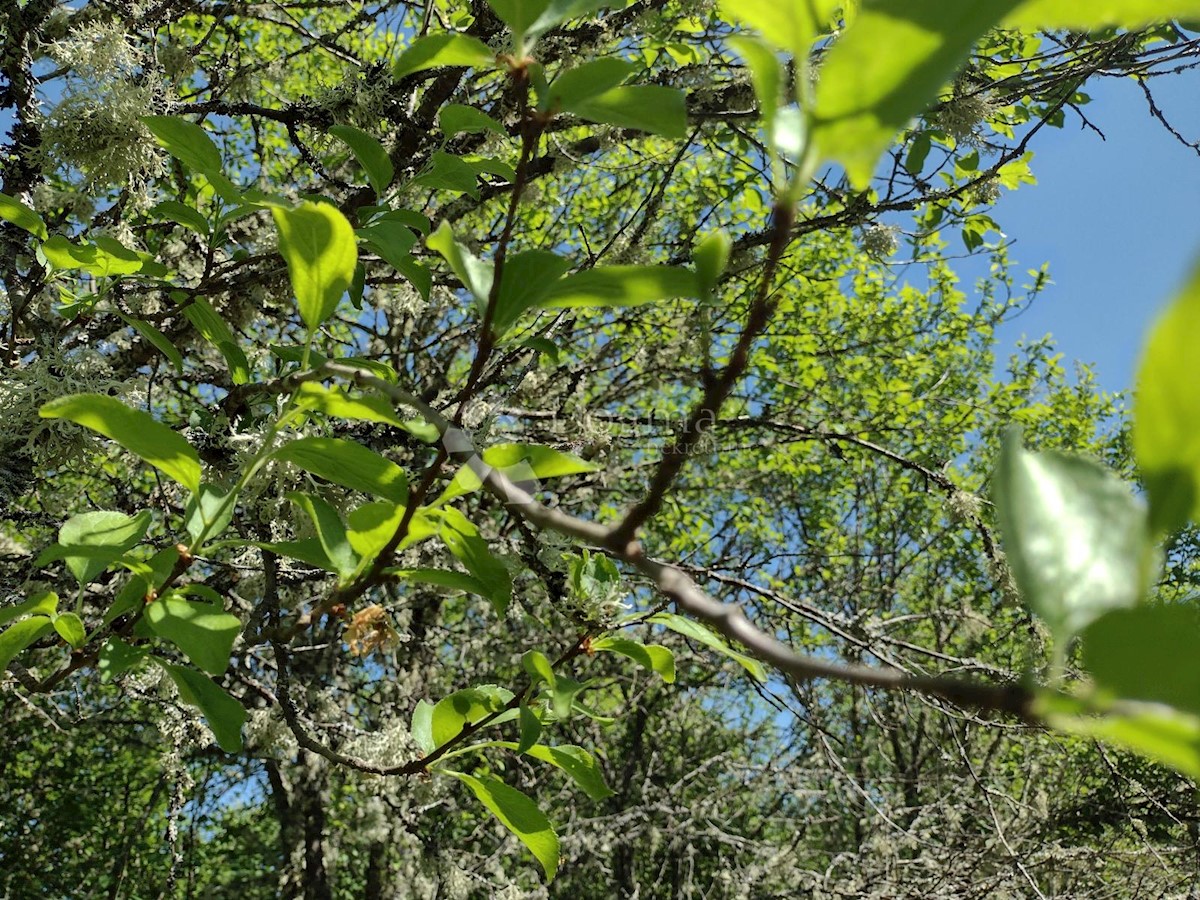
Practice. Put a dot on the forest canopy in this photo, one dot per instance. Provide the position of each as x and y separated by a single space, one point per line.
545 448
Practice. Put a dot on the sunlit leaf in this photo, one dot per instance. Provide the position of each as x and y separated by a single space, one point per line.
134 430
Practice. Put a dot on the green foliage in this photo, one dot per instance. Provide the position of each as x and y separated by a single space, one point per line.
613 345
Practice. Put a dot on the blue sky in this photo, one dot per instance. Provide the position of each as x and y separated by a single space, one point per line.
1117 219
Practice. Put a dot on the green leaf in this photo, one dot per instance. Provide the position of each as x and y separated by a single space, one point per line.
528 278
791 27
1155 731
391 240
225 716
370 154
463 540
653 658
203 631
335 402
13 210
519 15
1076 538
1070 15
105 258
455 118
116 657
308 551
211 514
622 286
348 464
577 763
110 533
422 726
188 143
452 713
157 339
330 531
704 635
538 667
1166 413
20 635
711 258
436 50
458 581
182 214
206 320
448 172
41 603
584 82
319 247
888 67
531 728
918 151
475 274
134 430
765 72
555 13
563 693
1147 653
518 814
70 628
650 108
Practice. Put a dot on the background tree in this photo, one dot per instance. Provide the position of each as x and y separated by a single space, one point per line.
596 244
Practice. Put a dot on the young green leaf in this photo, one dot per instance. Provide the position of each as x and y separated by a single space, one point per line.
710 258
621 286
348 464
157 339
765 71
455 118
70 628
1166 413
370 154
208 512
531 728
436 50
448 172
182 214
452 713
102 259
116 657
206 320
1147 653
203 631
13 210
391 240
652 658
519 815
462 539
422 726
584 82
225 716
475 274
538 666
187 142
330 531
578 764
42 603
1076 538
649 108
1169 736
1070 15
888 67
335 402
134 430
90 541
704 635
455 581
528 278
319 247
20 635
